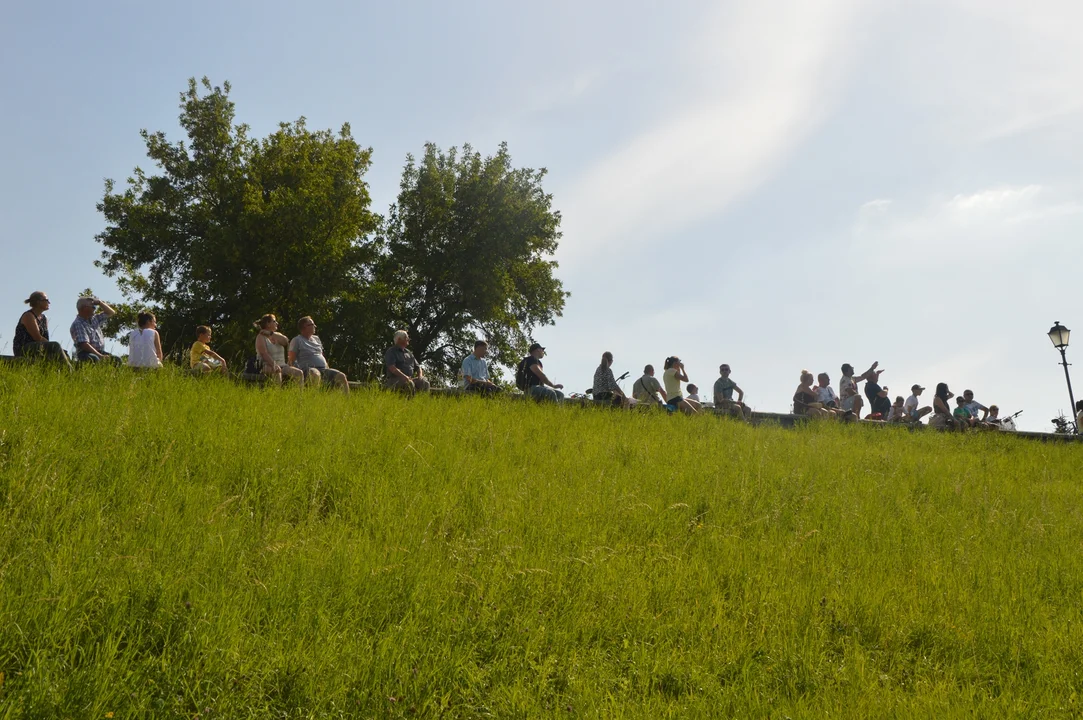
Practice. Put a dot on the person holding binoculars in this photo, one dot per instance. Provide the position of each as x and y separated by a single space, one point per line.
672 377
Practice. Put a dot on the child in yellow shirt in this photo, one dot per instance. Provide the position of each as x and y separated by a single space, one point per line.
204 359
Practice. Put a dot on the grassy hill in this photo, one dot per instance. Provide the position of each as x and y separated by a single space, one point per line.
172 547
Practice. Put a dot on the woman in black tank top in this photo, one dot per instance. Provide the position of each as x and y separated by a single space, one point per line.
32 333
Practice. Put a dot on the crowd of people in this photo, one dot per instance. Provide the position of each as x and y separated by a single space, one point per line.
302 360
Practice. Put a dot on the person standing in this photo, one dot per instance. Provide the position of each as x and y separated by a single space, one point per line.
402 369
32 333
673 374
476 372
533 379
724 387
86 330
144 343
306 354
1079 418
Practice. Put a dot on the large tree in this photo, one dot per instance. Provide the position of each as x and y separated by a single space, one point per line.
233 227
466 253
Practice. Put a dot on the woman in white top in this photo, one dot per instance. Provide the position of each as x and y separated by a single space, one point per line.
144 344
271 347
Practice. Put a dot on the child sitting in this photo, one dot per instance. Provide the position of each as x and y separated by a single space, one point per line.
898 411
204 359
693 392
962 414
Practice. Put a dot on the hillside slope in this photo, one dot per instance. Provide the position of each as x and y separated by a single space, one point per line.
172 546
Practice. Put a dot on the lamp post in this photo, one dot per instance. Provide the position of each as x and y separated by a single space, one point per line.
1059 335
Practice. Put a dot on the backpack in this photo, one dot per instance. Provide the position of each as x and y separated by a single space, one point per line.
520 374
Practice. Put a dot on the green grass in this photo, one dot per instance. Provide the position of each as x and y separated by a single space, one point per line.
172 546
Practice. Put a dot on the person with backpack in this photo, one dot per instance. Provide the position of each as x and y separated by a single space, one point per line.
531 378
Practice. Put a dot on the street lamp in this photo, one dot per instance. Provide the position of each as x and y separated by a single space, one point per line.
1058 334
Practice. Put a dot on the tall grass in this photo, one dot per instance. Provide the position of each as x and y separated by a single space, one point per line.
171 546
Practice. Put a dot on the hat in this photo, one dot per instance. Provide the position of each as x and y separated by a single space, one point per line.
883 389
916 388
536 346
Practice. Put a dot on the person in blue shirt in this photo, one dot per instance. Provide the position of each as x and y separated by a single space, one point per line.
476 372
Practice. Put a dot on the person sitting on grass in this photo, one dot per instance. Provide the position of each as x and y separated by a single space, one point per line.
647 390
912 410
271 347
962 413
993 418
805 403
403 371
201 358
31 338
86 330
724 387
605 388
476 372
673 375
942 417
825 393
880 402
974 406
144 343
898 411
849 397
306 354
693 393
537 383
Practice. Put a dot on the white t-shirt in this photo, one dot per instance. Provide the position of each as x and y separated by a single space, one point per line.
694 396
911 404
1079 423
826 395
847 387
673 385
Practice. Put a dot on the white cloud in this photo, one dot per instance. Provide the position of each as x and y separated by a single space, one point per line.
990 69
986 227
765 76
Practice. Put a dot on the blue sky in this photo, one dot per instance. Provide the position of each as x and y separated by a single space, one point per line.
774 185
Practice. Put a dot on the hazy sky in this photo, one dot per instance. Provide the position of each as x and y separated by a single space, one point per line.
783 185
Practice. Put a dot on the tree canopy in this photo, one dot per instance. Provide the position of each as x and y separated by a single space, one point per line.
466 250
231 227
